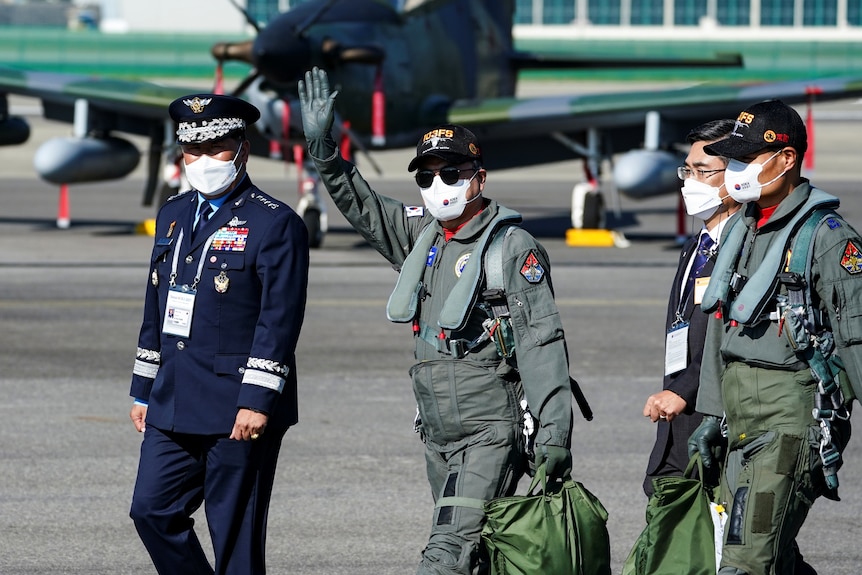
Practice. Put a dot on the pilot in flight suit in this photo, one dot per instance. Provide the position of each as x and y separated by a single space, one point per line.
214 380
467 389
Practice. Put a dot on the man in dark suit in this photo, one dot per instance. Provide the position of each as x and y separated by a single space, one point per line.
214 380
673 407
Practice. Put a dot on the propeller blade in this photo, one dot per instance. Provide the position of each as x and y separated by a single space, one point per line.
352 54
248 18
239 51
246 82
300 30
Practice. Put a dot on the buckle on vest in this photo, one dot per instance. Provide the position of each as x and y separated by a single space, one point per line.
458 348
737 282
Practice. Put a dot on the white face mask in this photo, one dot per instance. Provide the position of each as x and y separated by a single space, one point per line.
210 176
447 202
701 200
740 179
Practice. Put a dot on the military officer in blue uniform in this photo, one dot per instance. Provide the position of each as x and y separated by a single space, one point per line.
214 382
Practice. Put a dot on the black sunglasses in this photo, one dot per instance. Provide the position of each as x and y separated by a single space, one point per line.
449 175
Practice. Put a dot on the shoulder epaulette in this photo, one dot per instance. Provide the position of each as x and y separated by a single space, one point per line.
178 194
263 200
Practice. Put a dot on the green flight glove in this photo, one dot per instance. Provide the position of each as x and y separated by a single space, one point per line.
316 104
705 438
558 461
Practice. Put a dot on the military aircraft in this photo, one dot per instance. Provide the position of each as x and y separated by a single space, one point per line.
398 72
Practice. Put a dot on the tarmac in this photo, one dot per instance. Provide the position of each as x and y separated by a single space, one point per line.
350 495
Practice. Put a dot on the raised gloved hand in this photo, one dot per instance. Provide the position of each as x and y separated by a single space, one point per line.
558 460
316 104
705 438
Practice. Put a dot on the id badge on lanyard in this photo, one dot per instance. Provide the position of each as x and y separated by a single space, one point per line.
180 306
676 349
179 311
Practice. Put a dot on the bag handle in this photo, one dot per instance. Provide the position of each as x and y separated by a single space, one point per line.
695 460
541 478
713 492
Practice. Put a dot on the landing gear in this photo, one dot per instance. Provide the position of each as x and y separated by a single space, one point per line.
588 206
311 209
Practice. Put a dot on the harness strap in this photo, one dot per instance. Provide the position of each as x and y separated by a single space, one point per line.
818 351
454 501
457 348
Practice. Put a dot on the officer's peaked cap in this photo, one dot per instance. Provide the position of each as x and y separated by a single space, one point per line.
210 117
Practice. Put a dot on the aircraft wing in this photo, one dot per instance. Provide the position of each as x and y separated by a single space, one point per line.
97 107
141 102
524 130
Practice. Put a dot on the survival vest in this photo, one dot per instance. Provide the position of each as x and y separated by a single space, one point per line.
787 263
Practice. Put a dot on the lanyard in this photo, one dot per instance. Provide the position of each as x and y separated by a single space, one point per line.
173 279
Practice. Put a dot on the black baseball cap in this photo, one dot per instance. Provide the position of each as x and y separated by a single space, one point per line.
449 142
766 125
210 117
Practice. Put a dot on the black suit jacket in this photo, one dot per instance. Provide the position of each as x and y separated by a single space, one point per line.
670 452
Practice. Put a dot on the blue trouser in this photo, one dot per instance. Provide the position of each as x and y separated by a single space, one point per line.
178 472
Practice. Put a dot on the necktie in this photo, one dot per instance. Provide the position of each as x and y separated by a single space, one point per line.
701 256
205 211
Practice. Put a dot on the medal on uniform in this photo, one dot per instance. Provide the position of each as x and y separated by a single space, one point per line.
221 282
155 278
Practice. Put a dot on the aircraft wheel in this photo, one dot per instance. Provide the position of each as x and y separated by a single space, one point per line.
594 209
311 217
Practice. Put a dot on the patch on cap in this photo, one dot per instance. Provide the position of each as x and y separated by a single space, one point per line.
769 124
449 142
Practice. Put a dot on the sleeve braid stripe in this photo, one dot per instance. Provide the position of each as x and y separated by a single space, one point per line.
263 379
145 369
149 355
267 365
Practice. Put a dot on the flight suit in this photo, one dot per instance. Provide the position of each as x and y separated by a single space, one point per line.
471 419
249 266
751 374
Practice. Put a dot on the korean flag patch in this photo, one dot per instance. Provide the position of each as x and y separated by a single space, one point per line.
532 270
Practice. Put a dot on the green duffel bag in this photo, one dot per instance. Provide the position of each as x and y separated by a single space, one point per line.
559 530
682 530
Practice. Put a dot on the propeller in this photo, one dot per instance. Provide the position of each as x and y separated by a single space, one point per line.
282 51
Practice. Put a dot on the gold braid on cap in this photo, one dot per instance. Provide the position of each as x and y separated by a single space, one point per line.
189 132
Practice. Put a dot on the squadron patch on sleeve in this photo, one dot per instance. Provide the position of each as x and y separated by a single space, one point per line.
414 211
852 259
532 270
